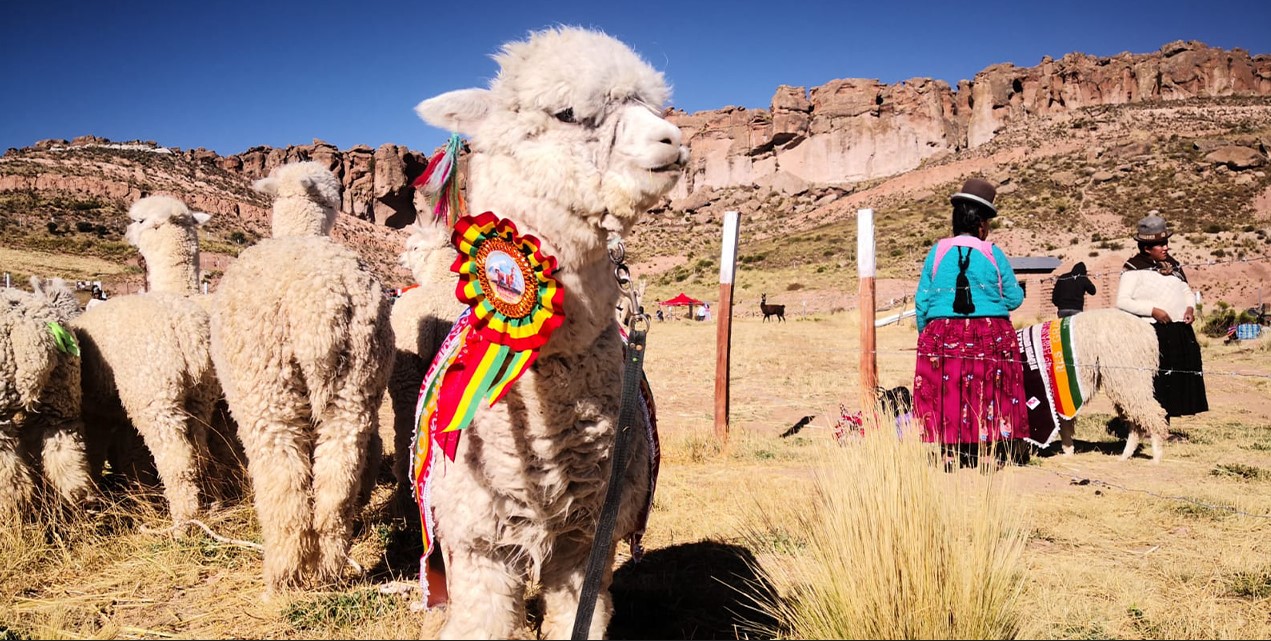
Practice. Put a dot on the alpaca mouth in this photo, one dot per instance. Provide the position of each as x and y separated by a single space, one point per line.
675 165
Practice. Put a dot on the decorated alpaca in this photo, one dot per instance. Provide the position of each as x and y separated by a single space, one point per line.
147 364
1108 350
568 150
302 345
41 433
421 319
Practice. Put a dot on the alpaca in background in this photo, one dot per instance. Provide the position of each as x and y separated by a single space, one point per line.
41 432
1116 352
147 365
771 310
302 345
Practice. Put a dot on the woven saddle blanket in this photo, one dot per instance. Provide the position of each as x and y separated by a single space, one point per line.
1052 387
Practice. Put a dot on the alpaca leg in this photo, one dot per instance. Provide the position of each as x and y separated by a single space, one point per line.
1135 402
562 588
1131 443
1158 447
487 600
279 463
370 471
339 458
17 484
166 432
1066 429
65 461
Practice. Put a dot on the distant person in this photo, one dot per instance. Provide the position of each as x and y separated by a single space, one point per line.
96 297
968 382
660 316
1069 295
701 313
1154 287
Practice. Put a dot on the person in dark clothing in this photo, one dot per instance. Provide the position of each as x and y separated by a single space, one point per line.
1069 295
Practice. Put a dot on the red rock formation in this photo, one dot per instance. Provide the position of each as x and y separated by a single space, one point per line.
850 130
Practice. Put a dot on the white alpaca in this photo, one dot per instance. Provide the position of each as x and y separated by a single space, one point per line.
302 345
1118 353
421 318
146 361
569 143
41 433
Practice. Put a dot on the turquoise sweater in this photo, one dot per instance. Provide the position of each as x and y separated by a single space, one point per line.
934 298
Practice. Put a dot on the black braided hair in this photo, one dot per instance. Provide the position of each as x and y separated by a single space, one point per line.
967 216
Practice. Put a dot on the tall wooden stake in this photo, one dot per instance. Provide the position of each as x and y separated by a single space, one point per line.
724 322
869 348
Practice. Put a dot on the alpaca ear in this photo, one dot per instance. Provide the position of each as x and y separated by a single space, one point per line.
459 110
200 218
267 186
35 284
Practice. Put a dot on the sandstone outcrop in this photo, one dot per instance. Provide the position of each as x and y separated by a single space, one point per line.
850 130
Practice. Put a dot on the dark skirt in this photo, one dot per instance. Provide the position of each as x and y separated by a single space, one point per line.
1180 385
969 383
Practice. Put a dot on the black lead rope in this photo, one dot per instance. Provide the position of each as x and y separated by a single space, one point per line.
609 513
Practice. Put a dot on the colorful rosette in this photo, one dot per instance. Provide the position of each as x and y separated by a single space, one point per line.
507 281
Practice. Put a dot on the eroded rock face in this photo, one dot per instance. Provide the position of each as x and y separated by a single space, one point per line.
854 129
376 182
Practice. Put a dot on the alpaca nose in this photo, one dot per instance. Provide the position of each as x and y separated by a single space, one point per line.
646 135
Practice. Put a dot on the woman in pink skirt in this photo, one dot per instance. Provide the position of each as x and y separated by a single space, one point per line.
969 383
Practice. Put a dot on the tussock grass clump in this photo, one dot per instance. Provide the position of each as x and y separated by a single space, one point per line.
895 548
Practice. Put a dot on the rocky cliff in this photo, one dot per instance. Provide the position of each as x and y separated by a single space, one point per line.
850 130
376 182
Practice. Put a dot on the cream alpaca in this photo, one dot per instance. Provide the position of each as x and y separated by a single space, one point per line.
421 318
302 345
1117 353
39 401
569 143
146 361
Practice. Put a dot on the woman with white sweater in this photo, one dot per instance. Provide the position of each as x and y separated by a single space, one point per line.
1154 287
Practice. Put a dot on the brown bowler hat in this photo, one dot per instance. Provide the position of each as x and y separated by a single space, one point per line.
981 192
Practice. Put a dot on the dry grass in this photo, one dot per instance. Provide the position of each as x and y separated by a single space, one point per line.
893 548
21 264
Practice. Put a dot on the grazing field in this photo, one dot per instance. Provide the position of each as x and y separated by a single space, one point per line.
1107 549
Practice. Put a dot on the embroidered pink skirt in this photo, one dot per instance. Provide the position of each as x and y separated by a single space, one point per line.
968 382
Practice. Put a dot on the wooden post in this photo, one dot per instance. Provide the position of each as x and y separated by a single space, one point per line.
724 322
865 264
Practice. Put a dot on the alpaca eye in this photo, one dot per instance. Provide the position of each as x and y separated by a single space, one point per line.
566 115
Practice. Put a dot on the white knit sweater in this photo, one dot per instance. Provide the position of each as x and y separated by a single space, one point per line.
1142 289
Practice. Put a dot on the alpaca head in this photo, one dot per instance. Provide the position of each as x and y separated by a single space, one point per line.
428 253
59 296
159 221
569 134
306 198
165 231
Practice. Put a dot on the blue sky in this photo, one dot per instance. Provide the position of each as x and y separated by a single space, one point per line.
230 75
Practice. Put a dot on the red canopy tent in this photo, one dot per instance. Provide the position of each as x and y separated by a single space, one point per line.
681 300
